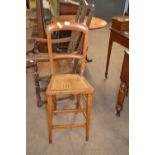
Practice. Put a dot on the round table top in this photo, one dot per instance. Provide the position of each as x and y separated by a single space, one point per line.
96 23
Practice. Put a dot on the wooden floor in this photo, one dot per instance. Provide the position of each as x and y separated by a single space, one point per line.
109 135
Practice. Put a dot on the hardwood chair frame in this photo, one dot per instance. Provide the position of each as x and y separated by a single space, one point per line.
63 84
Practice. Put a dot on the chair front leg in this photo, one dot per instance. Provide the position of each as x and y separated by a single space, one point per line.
88 112
78 102
50 117
54 102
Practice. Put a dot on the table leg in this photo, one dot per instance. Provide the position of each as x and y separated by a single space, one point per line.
108 56
121 95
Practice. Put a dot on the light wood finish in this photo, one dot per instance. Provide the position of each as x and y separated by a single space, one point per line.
88 112
68 126
72 27
71 84
68 84
96 22
50 115
69 111
66 56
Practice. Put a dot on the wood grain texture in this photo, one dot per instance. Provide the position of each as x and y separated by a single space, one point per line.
118 34
124 86
68 84
71 84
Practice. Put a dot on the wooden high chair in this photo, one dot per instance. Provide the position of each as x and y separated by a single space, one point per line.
70 84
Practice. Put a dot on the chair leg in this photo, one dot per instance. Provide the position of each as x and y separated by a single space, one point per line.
88 112
37 86
54 102
78 102
50 117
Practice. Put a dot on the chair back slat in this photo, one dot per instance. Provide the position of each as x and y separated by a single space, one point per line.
85 10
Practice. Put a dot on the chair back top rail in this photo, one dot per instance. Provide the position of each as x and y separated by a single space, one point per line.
65 26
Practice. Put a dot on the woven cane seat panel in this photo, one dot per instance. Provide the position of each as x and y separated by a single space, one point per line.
68 81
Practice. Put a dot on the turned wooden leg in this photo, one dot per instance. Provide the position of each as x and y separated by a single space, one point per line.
88 112
37 86
50 117
120 99
108 56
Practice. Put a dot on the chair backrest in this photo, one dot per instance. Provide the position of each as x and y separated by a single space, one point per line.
54 7
84 15
75 54
85 9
